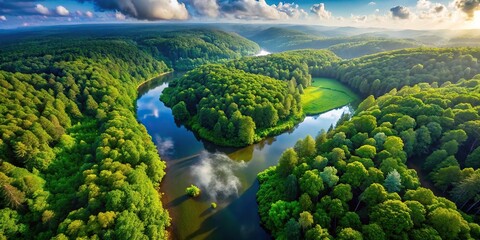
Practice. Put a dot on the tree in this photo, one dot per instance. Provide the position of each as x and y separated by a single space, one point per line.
246 130
374 194
393 216
193 191
393 145
473 159
319 162
366 104
373 232
306 202
423 195
317 233
393 182
445 177
448 222
12 197
329 176
180 111
355 174
291 187
366 151
287 162
311 183
292 230
351 220
343 192
305 220
404 123
349 234
365 123
305 148
11 227
417 213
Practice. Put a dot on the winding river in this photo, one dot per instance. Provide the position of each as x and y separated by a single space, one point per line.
226 176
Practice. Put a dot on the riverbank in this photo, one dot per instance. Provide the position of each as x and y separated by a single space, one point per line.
153 78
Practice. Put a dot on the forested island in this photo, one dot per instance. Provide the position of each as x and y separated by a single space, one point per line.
243 101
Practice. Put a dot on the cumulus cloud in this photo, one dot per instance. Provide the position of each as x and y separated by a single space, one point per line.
89 14
400 12
214 174
469 7
42 9
207 8
3 18
62 11
424 4
320 11
145 9
372 3
251 9
292 10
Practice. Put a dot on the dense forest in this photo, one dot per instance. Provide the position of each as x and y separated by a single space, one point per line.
377 74
245 100
353 182
74 160
185 50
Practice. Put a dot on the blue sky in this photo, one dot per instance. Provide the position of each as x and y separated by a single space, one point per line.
364 13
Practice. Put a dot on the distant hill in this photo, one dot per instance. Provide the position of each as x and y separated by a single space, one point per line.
278 39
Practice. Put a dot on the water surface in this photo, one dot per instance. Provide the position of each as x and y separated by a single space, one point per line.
226 176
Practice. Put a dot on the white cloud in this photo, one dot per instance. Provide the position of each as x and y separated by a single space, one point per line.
207 8
424 4
3 18
120 16
42 9
89 14
292 10
62 11
320 11
372 3
146 9
360 19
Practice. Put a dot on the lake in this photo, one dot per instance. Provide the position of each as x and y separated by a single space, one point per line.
226 176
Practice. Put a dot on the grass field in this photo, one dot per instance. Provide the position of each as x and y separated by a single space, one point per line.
326 94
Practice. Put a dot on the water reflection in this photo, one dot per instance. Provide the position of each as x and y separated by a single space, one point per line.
225 175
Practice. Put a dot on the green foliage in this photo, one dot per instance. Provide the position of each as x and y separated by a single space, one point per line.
74 159
232 107
193 191
369 153
187 49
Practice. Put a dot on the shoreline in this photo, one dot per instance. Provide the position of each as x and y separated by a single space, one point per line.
153 78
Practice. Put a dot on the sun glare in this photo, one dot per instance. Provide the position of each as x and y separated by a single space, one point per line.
476 20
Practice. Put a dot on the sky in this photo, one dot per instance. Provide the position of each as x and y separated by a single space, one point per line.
401 14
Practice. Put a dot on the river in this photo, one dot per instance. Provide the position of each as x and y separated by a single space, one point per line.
226 176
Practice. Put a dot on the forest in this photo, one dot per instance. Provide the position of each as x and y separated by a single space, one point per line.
74 160
355 181
245 100
76 163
